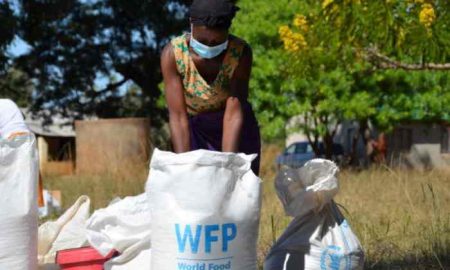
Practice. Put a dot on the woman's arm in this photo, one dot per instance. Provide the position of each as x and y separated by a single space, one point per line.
234 116
178 120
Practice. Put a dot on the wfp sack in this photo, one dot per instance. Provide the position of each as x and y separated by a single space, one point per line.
18 203
205 209
319 237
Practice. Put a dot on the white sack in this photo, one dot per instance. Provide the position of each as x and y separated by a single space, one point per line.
123 226
18 203
205 211
65 233
11 119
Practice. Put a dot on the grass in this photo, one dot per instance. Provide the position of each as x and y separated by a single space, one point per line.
402 218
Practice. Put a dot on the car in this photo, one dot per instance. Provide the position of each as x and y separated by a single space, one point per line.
298 153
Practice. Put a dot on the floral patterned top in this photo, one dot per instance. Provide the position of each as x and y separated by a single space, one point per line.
200 96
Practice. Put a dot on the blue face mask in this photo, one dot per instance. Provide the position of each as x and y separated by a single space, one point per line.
205 51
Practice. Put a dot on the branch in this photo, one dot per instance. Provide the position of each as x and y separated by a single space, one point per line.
384 62
111 86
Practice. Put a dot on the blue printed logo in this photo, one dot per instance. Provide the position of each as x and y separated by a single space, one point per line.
333 258
189 237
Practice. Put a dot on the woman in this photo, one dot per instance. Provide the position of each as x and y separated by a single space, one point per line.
206 76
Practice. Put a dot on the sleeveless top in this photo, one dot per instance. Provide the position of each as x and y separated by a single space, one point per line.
199 95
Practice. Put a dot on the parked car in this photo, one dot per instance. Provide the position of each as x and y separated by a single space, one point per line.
298 153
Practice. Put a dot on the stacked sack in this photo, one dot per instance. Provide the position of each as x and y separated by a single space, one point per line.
18 203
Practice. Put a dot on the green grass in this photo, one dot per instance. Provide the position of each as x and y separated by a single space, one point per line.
402 218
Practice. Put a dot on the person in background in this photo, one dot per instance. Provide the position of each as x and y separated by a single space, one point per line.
206 75
12 124
380 146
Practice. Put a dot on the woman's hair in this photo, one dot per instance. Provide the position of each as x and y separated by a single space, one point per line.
213 13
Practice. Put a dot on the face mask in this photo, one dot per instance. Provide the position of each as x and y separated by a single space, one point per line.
205 51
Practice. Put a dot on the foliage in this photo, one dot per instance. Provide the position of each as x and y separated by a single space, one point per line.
335 49
257 23
77 43
8 28
15 85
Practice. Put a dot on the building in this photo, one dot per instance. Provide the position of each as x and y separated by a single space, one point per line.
55 140
416 144
420 145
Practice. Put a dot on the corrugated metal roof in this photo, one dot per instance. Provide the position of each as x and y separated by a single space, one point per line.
55 126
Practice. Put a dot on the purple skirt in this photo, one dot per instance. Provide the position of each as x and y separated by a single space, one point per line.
207 129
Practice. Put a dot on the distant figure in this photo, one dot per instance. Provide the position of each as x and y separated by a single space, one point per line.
206 75
380 147
12 124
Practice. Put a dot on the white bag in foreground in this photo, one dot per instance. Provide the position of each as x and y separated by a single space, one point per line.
205 211
18 203
123 226
319 237
65 233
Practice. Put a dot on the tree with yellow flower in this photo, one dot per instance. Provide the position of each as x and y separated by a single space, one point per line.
340 60
339 52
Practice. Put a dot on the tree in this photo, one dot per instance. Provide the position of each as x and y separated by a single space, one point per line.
258 23
8 28
15 85
339 51
75 43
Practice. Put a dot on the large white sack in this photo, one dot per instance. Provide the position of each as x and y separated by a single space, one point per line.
205 211
319 237
123 226
67 232
18 203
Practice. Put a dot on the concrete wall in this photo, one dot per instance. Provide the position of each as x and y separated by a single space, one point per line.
405 136
110 144
419 145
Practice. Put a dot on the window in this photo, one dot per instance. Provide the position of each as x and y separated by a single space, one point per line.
405 135
445 140
301 148
290 149
309 148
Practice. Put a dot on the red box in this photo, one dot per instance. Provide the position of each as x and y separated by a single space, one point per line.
85 258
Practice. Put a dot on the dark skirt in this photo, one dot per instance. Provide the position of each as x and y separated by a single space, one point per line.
207 129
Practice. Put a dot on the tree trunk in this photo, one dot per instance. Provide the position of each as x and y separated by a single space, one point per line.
355 159
328 145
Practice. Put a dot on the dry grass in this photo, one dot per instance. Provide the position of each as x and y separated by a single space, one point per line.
401 217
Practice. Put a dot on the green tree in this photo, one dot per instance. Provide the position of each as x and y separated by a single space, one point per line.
258 23
8 28
15 85
340 51
74 43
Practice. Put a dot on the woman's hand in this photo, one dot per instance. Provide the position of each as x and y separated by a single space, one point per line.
178 119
